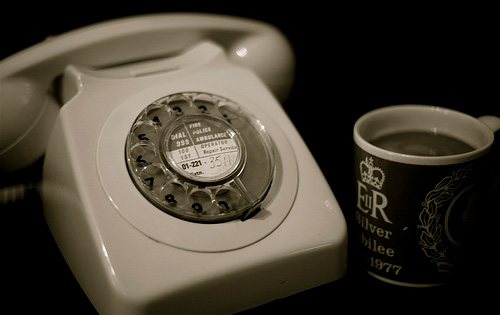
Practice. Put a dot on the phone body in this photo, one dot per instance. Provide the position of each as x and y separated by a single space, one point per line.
171 173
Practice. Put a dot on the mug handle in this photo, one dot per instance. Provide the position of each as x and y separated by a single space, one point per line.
493 122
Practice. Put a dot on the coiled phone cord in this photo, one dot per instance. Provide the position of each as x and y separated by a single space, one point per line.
16 193
16 187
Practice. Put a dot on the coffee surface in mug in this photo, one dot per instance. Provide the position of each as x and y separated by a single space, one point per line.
422 144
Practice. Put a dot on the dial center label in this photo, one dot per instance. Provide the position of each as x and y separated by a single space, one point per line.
203 149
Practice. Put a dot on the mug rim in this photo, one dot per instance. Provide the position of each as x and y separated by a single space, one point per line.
479 151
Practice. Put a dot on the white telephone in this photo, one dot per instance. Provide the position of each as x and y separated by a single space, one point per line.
173 180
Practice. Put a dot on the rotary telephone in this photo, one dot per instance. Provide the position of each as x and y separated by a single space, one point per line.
172 180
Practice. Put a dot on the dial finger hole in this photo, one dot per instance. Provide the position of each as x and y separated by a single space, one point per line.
158 113
227 198
174 193
230 111
144 132
204 103
200 200
143 154
154 177
179 104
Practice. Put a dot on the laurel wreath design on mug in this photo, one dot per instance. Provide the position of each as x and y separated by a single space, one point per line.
430 238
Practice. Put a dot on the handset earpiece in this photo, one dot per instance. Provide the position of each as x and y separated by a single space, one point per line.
269 55
28 76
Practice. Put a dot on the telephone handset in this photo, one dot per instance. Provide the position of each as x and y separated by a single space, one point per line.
171 172
28 75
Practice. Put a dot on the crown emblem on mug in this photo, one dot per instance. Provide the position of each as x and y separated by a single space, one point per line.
370 174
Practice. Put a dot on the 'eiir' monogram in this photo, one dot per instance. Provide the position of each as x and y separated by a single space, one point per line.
370 201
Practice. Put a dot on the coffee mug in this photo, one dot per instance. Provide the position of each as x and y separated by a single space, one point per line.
418 172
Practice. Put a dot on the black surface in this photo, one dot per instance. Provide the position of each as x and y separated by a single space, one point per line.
349 60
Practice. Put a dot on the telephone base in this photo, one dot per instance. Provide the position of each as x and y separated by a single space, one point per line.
129 256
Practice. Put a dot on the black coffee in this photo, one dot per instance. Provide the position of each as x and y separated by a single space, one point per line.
422 144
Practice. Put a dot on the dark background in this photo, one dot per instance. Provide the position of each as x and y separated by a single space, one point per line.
350 59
